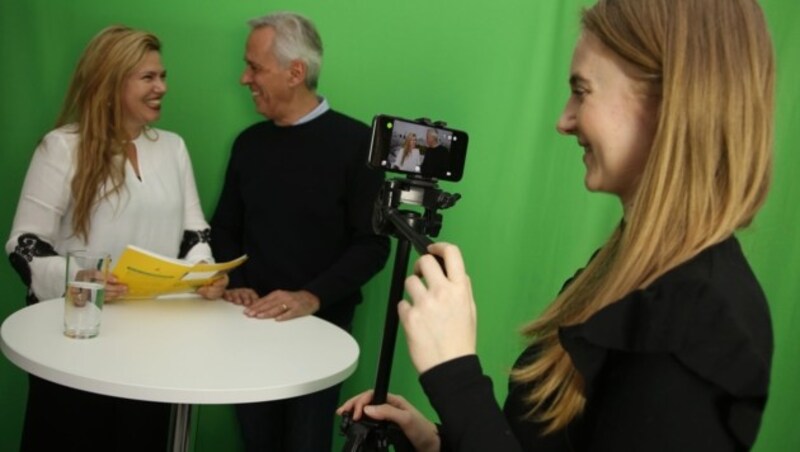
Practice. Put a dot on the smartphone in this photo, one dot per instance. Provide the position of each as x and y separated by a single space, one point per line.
416 147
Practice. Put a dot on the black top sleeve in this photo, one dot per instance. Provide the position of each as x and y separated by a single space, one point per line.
462 396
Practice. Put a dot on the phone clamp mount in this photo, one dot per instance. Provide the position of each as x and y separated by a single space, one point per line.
410 228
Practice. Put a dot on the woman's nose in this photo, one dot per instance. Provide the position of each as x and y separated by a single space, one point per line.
161 85
566 122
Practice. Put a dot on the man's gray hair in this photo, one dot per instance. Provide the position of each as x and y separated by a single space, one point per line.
296 38
433 134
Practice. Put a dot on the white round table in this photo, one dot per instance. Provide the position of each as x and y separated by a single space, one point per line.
181 351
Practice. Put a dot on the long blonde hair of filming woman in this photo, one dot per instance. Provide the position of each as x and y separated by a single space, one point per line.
94 103
711 63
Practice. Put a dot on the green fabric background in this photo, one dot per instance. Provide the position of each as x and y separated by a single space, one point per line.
497 70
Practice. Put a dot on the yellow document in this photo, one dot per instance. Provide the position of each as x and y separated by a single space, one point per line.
148 274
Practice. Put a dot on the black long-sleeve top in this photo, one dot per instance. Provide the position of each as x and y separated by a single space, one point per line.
298 201
683 364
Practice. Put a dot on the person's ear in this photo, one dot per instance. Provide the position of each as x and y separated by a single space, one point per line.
297 72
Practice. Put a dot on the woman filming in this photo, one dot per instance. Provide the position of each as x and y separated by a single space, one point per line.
663 341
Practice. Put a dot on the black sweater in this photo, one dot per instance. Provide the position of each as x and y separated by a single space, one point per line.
682 365
298 201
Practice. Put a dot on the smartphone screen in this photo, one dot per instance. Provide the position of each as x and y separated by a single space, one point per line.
414 147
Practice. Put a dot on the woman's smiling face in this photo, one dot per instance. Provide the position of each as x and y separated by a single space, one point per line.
144 89
611 116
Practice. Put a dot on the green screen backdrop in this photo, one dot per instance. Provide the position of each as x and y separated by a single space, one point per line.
497 70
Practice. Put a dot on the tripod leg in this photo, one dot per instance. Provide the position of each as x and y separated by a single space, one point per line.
368 435
390 326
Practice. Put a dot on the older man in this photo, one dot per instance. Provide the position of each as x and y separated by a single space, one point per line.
437 158
298 200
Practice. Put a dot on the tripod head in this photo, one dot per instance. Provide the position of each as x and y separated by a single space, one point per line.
414 190
410 228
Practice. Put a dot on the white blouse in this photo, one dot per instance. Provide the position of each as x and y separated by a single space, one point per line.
413 161
151 213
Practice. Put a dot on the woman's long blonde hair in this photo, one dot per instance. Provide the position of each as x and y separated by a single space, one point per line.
707 174
94 103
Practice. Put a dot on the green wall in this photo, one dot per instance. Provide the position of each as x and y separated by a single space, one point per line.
525 221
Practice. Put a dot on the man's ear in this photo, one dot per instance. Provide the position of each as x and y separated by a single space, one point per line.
297 73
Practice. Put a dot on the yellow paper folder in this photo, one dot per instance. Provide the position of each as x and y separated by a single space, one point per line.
149 274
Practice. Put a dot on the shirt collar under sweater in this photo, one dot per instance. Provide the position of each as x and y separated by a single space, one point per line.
313 114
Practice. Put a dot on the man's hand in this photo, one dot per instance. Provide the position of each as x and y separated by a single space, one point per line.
284 305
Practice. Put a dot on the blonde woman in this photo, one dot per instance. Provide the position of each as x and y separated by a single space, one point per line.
104 179
664 340
407 157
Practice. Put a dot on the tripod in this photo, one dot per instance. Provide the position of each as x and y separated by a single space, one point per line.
410 228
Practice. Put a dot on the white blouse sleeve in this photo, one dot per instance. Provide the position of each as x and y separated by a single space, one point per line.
197 233
43 204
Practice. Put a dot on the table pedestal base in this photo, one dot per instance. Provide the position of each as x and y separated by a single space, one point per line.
181 427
